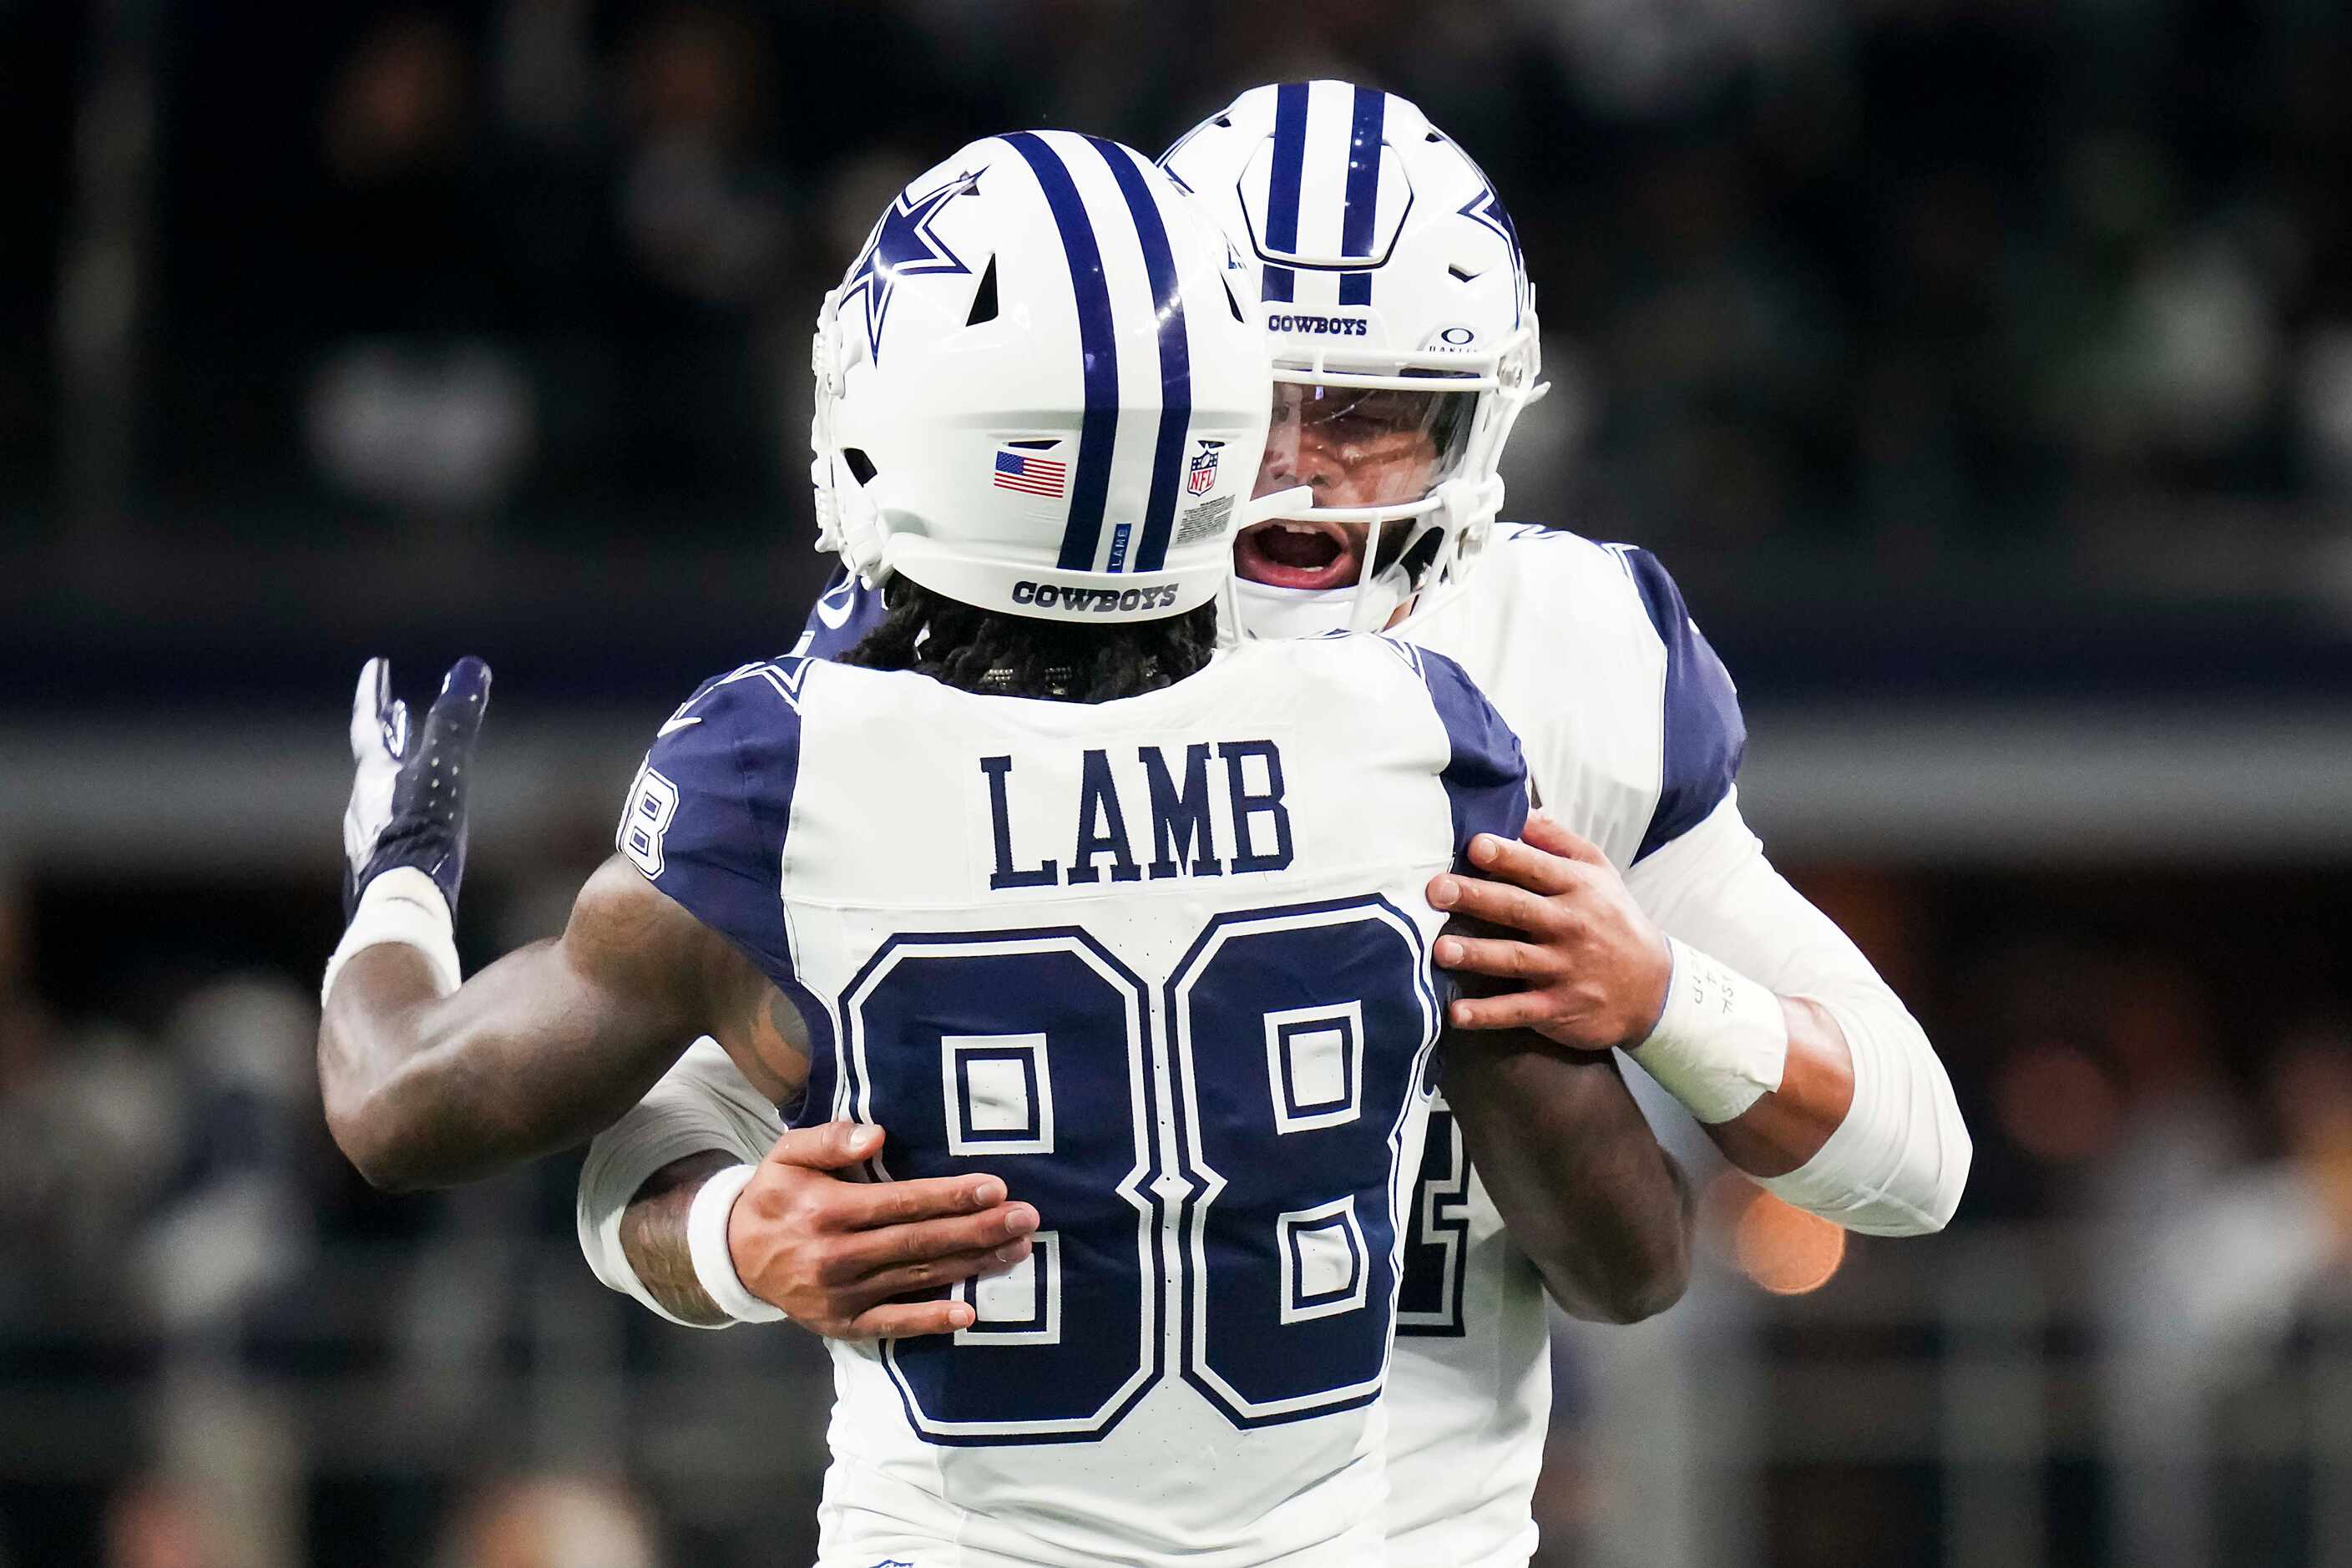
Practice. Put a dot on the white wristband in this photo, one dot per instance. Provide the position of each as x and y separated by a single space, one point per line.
714 1261
1722 1042
403 905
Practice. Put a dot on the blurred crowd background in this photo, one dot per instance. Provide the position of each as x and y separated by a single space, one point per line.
1982 368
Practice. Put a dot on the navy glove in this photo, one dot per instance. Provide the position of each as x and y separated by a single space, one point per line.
408 800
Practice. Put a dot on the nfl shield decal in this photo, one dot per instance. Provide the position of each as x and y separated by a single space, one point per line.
1202 477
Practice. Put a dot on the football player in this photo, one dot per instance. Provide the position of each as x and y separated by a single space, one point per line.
1406 346
1028 879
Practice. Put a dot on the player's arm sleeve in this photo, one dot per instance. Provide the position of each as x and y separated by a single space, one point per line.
1485 777
1703 735
701 1105
1897 1164
706 816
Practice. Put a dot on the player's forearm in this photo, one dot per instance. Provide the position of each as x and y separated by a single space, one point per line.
703 1105
1581 1182
375 1075
654 1239
1864 1128
1788 1126
425 1090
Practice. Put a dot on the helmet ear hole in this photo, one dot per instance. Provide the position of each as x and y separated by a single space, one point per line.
984 299
861 467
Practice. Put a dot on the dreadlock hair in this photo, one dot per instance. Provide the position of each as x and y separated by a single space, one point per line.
1003 655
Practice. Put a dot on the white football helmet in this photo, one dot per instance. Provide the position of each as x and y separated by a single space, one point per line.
1041 388
1398 303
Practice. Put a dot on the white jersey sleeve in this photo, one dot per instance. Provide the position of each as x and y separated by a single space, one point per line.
702 1104
1897 1164
1633 737
1630 723
1632 733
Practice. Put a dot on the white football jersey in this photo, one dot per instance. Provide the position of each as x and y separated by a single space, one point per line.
1161 963
1632 735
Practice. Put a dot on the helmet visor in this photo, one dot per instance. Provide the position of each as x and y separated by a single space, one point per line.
1359 446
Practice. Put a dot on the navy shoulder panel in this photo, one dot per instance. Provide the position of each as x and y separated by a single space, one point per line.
1487 778
707 817
841 617
1704 735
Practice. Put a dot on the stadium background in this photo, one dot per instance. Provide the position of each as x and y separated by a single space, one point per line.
1983 371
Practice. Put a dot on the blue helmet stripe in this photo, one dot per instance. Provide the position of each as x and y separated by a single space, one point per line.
1098 352
1175 355
1282 193
1363 191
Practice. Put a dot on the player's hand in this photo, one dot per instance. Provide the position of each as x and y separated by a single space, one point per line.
834 1253
408 797
1590 967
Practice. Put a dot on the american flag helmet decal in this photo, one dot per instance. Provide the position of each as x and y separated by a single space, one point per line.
1030 474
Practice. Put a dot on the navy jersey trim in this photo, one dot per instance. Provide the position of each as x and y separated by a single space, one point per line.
719 853
731 754
1485 777
1704 736
841 616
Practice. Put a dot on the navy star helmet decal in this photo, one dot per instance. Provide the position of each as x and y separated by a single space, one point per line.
903 246
1487 209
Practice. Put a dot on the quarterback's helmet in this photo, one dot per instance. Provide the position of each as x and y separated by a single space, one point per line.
1041 388
1399 309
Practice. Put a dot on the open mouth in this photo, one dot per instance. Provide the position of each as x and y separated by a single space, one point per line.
1287 553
